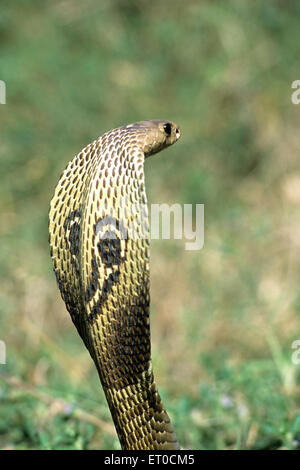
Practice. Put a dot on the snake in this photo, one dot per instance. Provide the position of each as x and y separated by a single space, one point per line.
99 235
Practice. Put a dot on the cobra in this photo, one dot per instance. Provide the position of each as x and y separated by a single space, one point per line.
102 270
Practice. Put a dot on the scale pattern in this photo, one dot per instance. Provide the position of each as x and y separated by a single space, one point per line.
99 244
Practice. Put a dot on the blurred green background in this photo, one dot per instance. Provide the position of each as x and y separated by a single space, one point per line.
223 318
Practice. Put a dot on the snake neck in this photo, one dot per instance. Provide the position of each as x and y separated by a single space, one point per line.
140 418
121 349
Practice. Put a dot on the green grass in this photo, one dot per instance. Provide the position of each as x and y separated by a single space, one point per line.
224 318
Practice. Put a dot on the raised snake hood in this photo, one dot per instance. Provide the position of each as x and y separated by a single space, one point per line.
103 276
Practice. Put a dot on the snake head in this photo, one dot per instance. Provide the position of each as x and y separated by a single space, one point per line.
155 135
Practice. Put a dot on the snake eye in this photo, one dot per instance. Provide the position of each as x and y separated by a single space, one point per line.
167 128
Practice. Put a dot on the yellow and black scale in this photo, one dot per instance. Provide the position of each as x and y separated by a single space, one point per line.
102 270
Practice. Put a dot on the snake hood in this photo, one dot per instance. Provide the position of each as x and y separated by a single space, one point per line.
103 272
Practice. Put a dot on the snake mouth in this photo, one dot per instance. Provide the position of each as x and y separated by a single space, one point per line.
177 133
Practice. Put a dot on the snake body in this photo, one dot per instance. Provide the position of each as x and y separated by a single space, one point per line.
99 244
